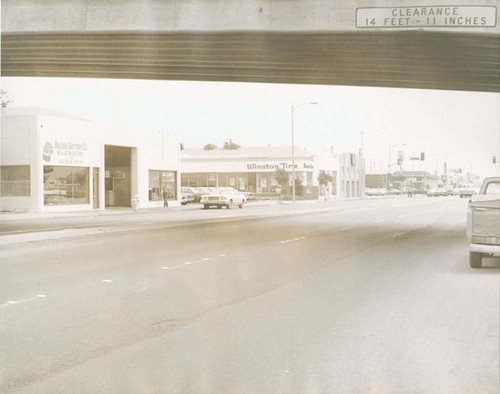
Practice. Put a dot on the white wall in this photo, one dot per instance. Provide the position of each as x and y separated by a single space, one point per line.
240 164
80 143
14 139
75 143
17 145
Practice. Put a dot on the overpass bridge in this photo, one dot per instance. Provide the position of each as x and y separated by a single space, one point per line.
342 42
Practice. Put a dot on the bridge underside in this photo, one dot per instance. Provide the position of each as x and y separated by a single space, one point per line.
408 59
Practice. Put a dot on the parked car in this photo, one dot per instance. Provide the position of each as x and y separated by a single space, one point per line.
450 191
483 222
394 192
187 195
435 192
223 197
200 191
186 198
249 196
375 191
466 191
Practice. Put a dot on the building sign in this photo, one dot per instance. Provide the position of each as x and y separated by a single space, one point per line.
433 16
278 166
64 152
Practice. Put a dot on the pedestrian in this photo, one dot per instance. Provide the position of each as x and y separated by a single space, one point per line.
165 197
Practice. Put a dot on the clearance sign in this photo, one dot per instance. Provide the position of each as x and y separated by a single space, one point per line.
433 16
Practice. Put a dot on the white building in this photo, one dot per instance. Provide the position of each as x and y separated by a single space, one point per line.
52 162
247 169
345 171
253 169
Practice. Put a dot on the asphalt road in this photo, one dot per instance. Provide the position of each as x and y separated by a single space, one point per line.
370 296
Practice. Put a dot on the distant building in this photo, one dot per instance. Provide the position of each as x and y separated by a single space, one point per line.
376 180
419 181
52 162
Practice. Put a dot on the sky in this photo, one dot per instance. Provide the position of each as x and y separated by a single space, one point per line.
459 128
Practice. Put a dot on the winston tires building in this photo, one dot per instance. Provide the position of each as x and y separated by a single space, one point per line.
247 169
253 170
51 162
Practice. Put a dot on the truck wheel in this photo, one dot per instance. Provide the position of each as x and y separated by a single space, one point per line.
241 204
475 259
229 204
205 206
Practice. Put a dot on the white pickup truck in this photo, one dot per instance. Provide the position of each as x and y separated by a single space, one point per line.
483 222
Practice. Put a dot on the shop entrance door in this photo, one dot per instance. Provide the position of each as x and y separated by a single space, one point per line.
118 175
95 188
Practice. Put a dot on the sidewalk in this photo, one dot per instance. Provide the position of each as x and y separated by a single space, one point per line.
26 227
6 216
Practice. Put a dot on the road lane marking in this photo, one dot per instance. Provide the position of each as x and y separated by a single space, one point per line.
107 281
11 302
292 240
173 267
190 263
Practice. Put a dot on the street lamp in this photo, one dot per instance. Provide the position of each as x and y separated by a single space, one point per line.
294 108
389 164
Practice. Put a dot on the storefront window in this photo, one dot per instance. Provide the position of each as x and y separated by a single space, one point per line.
65 185
161 182
15 181
154 186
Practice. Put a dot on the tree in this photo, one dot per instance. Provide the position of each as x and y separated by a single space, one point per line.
299 186
230 145
323 180
5 98
282 178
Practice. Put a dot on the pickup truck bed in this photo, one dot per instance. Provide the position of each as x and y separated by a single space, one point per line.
483 223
